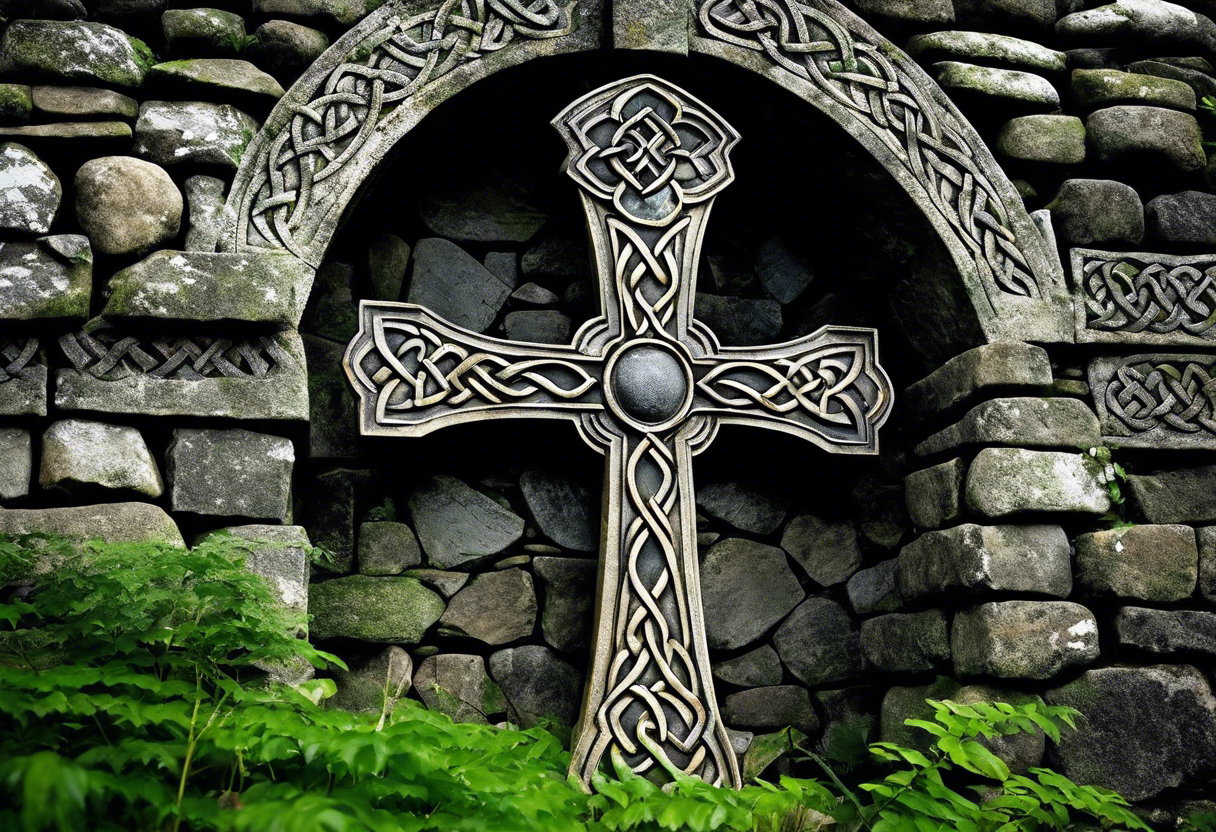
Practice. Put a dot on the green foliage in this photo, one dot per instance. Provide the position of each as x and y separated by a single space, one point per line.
1114 477
1201 822
240 42
133 696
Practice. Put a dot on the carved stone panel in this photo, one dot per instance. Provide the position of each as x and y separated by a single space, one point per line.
22 377
1156 401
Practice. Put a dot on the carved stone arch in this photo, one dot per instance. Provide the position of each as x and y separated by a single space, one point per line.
376 83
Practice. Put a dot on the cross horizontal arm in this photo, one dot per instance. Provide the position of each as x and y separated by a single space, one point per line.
415 373
826 388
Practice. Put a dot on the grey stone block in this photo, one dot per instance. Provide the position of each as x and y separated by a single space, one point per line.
78 455
494 607
16 463
32 191
538 684
109 522
568 587
875 589
1095 88
1004 482
204 211
906 642
973 560
71 103
752 507
1180 496
739 322
1145 563
1051 139
454 286
1023 639
228 79
72 50
1024 89
994 369
1167 631
192 132
127 205
374 685
746 588
756 668
459 686
387 548
1022 422
382 610
777 707
934 495
230 473
984 48
51 279
819 643
1167 139
827 551
1184 219
280 555
1206 537
1097 212
457 525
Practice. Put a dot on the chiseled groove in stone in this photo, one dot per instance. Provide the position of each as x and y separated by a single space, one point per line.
1161 400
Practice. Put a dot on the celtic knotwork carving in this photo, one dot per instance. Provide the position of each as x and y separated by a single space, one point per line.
325 133
15 355
648 274
882 96
1148 395
1155 296
110 357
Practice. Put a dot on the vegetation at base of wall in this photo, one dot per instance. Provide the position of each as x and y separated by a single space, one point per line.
133 696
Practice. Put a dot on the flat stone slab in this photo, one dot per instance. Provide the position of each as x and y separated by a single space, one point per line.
746 588
980 47
192 132
1023 639
1160 400
819 643
487 211
750 507
756 668
1145 563
1002 367
875 589
1095 88
1010 85
79 455
1021 422
459 685
494 607
1049 139
230 473
1180 496
49 280
109 522
452 284
381 610
1101 212
933 495
228 79
1167 632
1167 139
1005 482
974 560
458 526
72 103
771 707
565 511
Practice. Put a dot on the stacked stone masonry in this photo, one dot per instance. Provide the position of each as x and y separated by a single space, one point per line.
1041 521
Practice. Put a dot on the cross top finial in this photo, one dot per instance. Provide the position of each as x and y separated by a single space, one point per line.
648 146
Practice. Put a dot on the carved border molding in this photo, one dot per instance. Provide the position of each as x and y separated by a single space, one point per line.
1131 298
1156 400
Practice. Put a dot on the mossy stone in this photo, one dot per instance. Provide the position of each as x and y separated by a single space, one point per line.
383 610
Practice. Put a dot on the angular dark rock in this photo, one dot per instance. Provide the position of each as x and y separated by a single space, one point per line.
1187 219
484 211
374 684
819 643
230 473
746 588
934 495
783 274
906 642
744 505
459 686
756 668
50 280
1167 631
739 322
538 326
568 587
387 548
455 286
457 525
1097 212
494 607
875 589
771 707
972 560
388 256
827 551
538 684
1179 496
286 49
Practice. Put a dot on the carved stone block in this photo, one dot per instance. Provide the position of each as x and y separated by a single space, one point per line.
1144 298
1156 400
22 378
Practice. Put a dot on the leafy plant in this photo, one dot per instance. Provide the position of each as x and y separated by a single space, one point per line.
240 41
1114 477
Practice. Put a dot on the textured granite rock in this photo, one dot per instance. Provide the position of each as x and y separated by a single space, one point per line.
1053 139
1023 639
1179 496
1167 631
375 684
457 525
454 286
746 588
459 685
974 560
934 495
382 610
192 132
494 607
16 463
1144 563
827 551
126 205
73 51
1168 139
29 199
1021 422
538 684
819 643
1097 212
999 368
568 588
1004 482
906 642
230 473
79 455
280 554
387 548
50 280
111 522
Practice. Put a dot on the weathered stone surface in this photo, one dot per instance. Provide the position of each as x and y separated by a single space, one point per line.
1200 81
1019 15
82 103
79 455
555 258
92 53
1095 88
568 587
230 473
784 274
532 294
455 286
126 205
875 589
211 287
974 560
280 555
111 522
1206 538
446 584
495 607
374 685
1024 422
343 13
1054 139
330 401
192 132
1143 729
204 208
819 644
332 311
1167 631
748 506
902 703
504 265
906 642
1023 639
286 49
223 79
1003 482
16 463
194 32
771 707
388 256
1007 85
984 48
1184 219
538 684
911 11
387 548
383 610
657 25
1182 496
459 686
51 279
30 193
25 391
828 552
1147 135
329 505
538 326
16 103
756 668
457 525
1097 212
934 495
1146 563
746 588
482 211
1142 23
1003 367
739 322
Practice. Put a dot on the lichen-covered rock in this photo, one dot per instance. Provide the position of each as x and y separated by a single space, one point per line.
373 685
16 463
827 551
1097 212
1022 422
382 610
286 49
1023 639
446 584
457 525
79 455
1186 219
1023 89
1095 88
204 208
746 588
819 643
910 11
1145 563
110 522
51 279
72 138
280 554
1180 496
771 707
1140 23
342 13
216 79
752 507
211 287
230 473
1167 631
538 684
903 703
29 191
73 51
984 48
906 642
568 587
454 286
459 686
387 548
1054 139
973 560
495 607
756 668
739 322
875 589
192 132
1167 139
82 103
1206 538
538 326
202 32
126 205
1005 366
1020 15
16 103
1004 482
1143 729
934 495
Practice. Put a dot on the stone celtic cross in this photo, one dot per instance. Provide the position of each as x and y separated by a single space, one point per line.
646 385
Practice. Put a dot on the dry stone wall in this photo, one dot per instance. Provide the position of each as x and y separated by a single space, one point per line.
1042 521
